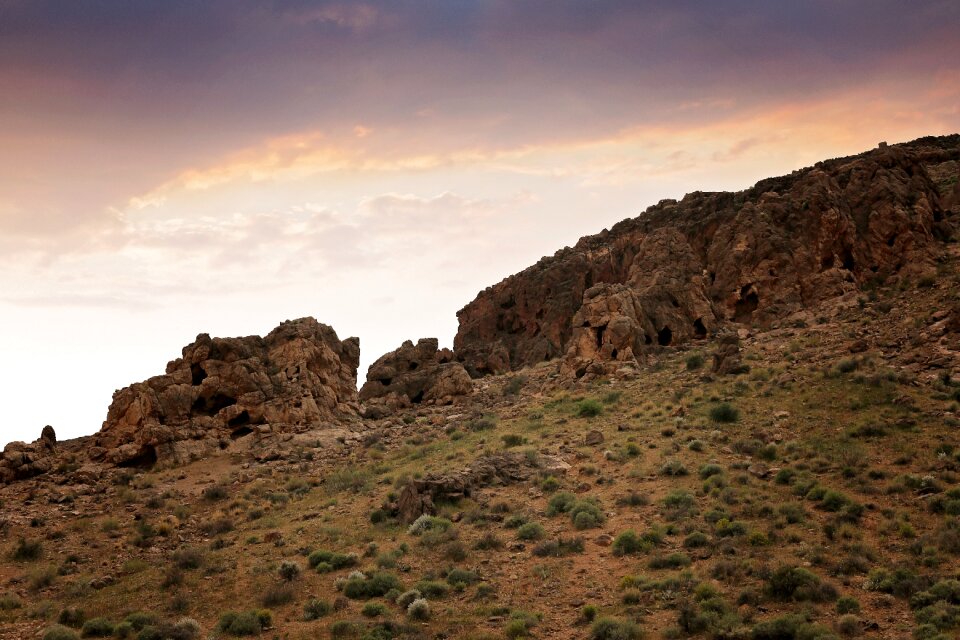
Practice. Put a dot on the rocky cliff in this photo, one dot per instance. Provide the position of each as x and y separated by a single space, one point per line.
682 269
225 388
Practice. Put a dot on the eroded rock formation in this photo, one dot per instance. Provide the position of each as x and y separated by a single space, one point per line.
300 374
411 375
692 266
20 460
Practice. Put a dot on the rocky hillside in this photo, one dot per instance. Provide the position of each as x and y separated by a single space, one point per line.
682 270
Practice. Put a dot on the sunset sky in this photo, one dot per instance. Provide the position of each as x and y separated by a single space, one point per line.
171 168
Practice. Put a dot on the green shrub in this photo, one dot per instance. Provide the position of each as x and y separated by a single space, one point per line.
559 547
673 468
696 540
97 628
405 598
316 609
461 576
288 570
589 408
724 413
711 469
561 503
432 588
372 586
790 627
428 523
214 493
586 514
694 362
670 561
612 629
846 604
246 623
512 440
797 583
58 632
325 561
626 543
419 609
373 609
27 550
530 531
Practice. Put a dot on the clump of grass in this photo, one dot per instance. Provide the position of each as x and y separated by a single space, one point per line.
27 550
246 623
694 361
588 408
419 609
375 585
613 629
530 531
316 609
724 413
559 547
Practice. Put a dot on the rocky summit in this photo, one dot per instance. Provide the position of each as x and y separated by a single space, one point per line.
684 268
736 416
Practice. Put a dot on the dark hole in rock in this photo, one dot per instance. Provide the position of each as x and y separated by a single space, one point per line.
937 215
826 262
588 280
699 329
210 406
664 336
239 420
848 262
386 381
145 458
647 339
239 433
417 399
875 268
891 240
674 302
413 366
600 332
613 354
713 277
582 371
197 374
508 304
746 305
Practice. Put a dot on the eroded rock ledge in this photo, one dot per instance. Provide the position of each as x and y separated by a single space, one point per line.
222 389
411 375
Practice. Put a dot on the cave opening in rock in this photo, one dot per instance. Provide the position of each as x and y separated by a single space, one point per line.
145 458
239 420
600 331
417 399
386 381
699 330
197 374
848 262
647 339
238 433
747 304
613 354
210 406
413 366
664 336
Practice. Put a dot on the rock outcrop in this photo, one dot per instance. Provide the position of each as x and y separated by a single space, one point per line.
20 460
418 497
692 266
222 389
726 359
414 374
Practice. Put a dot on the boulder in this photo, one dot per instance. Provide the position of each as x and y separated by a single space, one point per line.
222 389
414 374
20 460
726 359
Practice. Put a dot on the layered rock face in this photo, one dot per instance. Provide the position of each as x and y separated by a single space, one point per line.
683 269
224 388
413 374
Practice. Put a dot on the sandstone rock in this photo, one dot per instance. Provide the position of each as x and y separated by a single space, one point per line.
413 374
593 438
726 359
20 460
690 267
419 496
225 388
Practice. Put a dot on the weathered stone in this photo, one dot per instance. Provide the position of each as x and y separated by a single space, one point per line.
726 359
413 374
690 267
225 388
593 438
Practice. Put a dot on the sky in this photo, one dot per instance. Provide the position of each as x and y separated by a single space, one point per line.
174 168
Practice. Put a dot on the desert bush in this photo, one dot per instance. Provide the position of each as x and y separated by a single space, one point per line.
694 361
796 583
288 570
316 609
559 547
246 623
586 514
405 598
277 596
846 604
188 558
432 588
27 550
669 561
530 531
373 609
419 609
613 629
673 468
372 586
512 440
325 561
588 408
97 628
561 503
58 632
428 523
214 493
724 413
